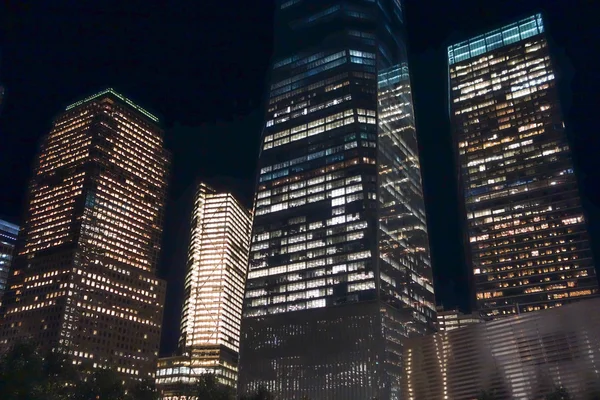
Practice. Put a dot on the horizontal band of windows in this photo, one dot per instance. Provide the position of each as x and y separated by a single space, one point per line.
299 80
305 111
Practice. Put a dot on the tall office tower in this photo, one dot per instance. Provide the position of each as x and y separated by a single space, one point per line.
528 242
339 266
84 276
8 238
214 292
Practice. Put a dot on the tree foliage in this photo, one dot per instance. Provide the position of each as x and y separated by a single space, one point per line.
209 388
145 390
261 394
28 374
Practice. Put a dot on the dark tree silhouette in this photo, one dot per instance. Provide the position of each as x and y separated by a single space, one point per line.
21 373
261 394
102 384
145 390
26 374
209 388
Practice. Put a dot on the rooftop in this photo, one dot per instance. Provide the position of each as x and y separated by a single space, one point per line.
495 39
117 95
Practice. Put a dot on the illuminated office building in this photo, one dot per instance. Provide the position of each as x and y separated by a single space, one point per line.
84 275
339 264
521 357
448 320
528 242
8 238
214 291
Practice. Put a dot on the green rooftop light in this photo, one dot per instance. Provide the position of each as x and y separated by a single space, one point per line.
119 96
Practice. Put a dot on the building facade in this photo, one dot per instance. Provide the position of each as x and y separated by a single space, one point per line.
339 265
528 241
214 291
8 239
519 357
84 275
448 320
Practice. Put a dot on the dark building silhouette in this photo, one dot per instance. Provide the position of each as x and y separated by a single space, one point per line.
340 270
2 97
528 241
8 239
84 275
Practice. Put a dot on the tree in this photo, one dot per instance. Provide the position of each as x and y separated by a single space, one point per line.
21 372
102 384
26 374
59 376
209 388
144 390
261 394
559 393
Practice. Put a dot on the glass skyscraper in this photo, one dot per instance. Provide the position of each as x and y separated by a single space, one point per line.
8 239
339 270
214 290
84 278
528 241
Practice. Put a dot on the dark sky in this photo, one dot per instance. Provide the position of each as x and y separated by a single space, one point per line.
201 66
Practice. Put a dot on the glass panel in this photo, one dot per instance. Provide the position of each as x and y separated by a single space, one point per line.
494 41
477 47
510 35
529 29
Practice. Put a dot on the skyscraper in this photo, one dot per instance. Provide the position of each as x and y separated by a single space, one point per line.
339 265
214 291
528 242
8 238
84 276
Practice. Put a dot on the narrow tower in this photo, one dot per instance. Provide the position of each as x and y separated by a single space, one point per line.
214 291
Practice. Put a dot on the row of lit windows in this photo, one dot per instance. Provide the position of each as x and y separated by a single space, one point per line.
282 269
332 81
513 232
304 111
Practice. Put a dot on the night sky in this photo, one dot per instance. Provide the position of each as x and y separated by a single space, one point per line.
201 66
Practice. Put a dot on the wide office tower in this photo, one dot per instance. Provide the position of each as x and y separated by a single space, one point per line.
217 266
528 242
8 239
84 277
339 264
